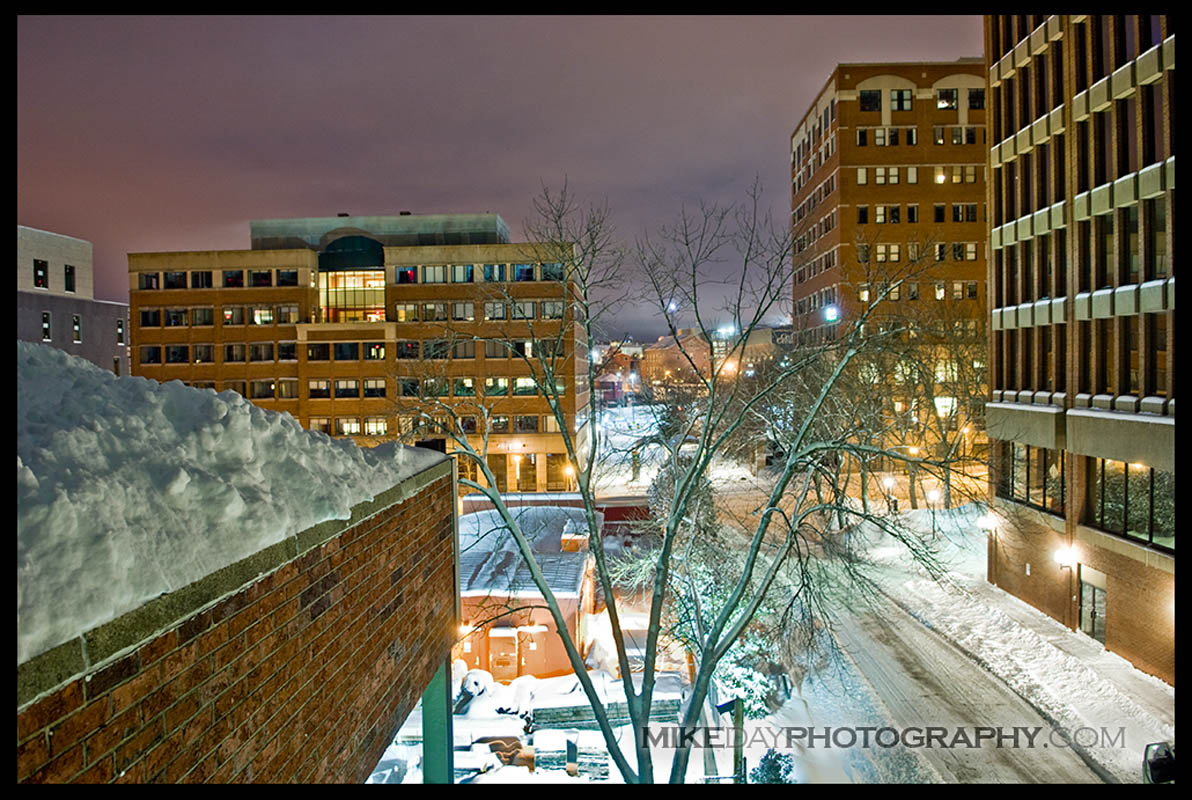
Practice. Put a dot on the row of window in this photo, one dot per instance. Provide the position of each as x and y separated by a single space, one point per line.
41 275
890 176
379 426
372 388
892 214
205 279
815 266
468 273
414 349
76 324
466 312
881 253
205 316
903 99
961 290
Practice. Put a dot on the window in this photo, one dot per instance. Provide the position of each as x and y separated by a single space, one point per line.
261 315
970 251
871 99
464 387
239 387
976 99
76 323
405 312
150 317
468 425
940 290
235 353
406 349
260 389
500 425
879 176
957 174
287 351
494 273
957 290
465 348
347 426
260 278
374 351
320 424
523 387
376 426
177 354
880 252
970 174
958 251
233 278
150 354
879 214
912 174
552 309
287 315
912 136
495 311
525 424
496 387
41 275
862 215
260 351
939 212
912 213
287 389
119 331
523 272
174 280
912 291
463 312
879 137
434 274
374 387
552 272
900 100
945 98
175 317
202 317
233 315
45 327
201 279
895 254
523 309
407 387
462 273
970 290
862 176
347 387
435 387
346 351
287 277
203 353
863 253
405 275
434 312
318 351
941 251
938 134
68 283
862 137
892 175
435 349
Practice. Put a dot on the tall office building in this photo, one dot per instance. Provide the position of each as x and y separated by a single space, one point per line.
888 170
1082 300
56 301
355 325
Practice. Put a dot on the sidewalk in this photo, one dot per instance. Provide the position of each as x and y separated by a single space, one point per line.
1066 675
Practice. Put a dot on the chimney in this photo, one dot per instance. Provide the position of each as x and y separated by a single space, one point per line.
343 214
404 214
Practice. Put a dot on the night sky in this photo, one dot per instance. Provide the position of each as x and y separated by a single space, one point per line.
144 134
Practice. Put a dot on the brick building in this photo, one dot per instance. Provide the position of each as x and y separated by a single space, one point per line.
56 300
356 324
1082 301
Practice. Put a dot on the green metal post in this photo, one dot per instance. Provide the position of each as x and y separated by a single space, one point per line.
438 764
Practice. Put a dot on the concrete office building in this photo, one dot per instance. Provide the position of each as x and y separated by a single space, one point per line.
56 300
354 325
1082 301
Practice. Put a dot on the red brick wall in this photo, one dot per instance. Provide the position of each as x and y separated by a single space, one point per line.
304 675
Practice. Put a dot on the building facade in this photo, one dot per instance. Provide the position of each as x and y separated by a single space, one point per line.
1082 302
889 219
362 327
56 300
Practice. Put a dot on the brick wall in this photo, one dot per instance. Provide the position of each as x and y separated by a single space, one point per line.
302 675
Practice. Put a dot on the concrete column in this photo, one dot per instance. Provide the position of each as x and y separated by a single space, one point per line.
438 763
540 462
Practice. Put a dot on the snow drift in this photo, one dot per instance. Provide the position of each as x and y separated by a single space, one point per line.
128 489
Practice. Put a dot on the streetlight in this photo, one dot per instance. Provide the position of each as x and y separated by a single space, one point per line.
569 471
891 501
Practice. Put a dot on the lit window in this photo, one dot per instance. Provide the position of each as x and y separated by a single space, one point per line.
495 311
405 312
119 331
945 98
320 424
77 327
374 351
46 333
462 273
463 312
318 388
862 176
374 387
552 309
376 426
41 275
235 353
347 426
912 174
434 274
348 387
900 100
464 387
523 272
260 390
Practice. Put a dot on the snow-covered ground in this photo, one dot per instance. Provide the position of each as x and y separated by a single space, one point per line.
128 488
1068 676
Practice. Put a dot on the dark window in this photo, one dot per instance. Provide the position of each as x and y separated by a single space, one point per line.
201 280
287 277
318 351
435 349
976 99
347 388
347 351
406 350
41 275
233 278
69 278
260 277
287 351
871 100
523 272
150 317
148 280
552 272
406 275
174 280
407 387
150 354
177 354
374 351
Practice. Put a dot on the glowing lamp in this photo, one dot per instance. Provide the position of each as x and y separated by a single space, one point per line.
1065 557
831 313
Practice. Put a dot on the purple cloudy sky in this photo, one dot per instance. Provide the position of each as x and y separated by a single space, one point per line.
142 134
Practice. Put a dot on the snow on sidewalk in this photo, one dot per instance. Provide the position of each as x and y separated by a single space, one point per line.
1068 676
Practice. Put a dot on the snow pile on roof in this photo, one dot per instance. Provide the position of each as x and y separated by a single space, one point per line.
128 489
491 563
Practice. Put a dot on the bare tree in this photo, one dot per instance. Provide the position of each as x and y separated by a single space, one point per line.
796 551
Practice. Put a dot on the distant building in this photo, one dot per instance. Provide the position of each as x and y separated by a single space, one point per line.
56 300
355 324
1082 305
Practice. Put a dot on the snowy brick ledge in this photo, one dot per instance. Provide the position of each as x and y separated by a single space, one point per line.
128 489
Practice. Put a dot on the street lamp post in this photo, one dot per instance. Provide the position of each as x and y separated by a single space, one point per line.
933 496
891 501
